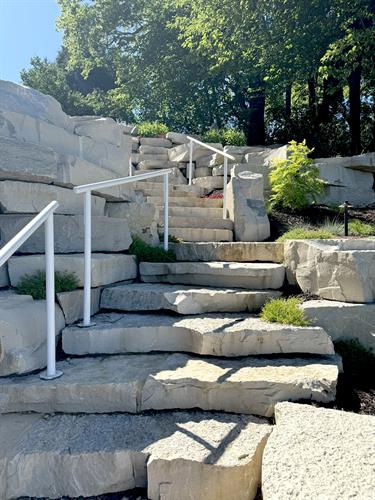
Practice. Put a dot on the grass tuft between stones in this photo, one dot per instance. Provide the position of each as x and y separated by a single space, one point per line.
35 284
285 311
147 253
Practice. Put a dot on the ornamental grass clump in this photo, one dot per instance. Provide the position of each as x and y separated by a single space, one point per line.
285 311
303 233
35 284
295 181
147 253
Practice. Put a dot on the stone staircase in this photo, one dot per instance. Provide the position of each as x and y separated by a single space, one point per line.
170 389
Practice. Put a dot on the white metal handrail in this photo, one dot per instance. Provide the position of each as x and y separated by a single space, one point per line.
226 156
97 186
44 217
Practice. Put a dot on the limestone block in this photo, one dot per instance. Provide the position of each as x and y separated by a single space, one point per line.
108 234
182 153
248 275
23 333
101 129
209 183
342 270
319 453
149 158
71 304
246 207
158 142
364 162
183 299
230 252
213 335
154 150
142 382
344 320
30 102
135 144
202 172
204 161
105 268
4 278
141 217
175 177
177 138
31 197
156 163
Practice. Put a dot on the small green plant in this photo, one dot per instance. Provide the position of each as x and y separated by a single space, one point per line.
152 129
147 253
225 136
295 181
212 136
35 284
333 226
303 233
285 311
359 228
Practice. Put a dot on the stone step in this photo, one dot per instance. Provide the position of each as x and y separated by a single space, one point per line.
108 234
230 251
106 268
70 456
139 382
175 177
198 222
249 275
215 335
183 299
204 212
201 234
175 190
187 202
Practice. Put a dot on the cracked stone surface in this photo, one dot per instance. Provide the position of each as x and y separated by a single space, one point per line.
250 275
217 335
177 455
183 299
133 383
319 453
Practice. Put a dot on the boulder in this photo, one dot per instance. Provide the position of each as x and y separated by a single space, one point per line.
177 138
102 130
319 453
30 102
158 142
342 270
246 207
364 162
153 150
108 234
32 197
71 304
344 320
105 268
23 333
209 183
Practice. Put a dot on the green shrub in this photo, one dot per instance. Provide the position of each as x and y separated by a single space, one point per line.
359 228
213 136
303 233
225 136
285 311
152 129
147 253
35 284
295 181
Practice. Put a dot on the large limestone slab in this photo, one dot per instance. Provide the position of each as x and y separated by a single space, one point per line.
89 455
108 234
177 138
158 142
209 183
342 270
31 197
23 333
102 130
364 162
71 304
105 268
201 234
216 335
197 222
175 177
250 275
134 383
183 299
319 453
344 320
230 252
187 201
246 207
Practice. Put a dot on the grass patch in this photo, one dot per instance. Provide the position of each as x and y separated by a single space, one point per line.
285 311
303 233
359 228
152 129
147 253
35 284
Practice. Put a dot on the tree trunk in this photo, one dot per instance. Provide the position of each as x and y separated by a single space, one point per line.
288 101
355 110
312 96
255 128
332 99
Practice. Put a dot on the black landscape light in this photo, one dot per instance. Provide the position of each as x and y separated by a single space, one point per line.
346 207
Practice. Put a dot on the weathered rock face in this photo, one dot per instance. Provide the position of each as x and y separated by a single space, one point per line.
23 333
246 207
88 455
102 130
319 453
335 269
344 320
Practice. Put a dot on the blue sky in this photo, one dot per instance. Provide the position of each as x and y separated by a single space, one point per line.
27 29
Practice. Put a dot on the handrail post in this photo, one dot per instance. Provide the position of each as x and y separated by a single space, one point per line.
130 167
87 263
191 145
51 372
225 187
166 209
